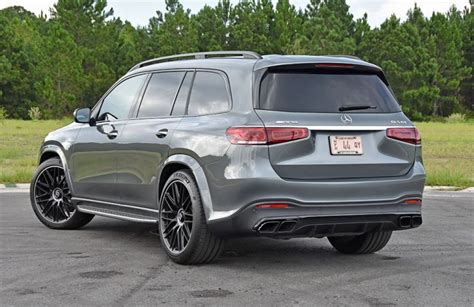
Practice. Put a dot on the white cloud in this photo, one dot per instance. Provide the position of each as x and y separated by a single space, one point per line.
138 12
34 6
378 11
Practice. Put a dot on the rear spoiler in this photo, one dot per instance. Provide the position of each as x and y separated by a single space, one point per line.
329 67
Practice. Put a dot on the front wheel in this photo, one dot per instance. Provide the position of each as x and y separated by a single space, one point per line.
366 243
184 233
51 198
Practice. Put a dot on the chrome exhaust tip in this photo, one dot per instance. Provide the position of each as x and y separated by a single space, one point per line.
416 221
268 227
405 221
287 226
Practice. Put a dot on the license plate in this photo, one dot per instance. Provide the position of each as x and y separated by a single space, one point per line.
346 145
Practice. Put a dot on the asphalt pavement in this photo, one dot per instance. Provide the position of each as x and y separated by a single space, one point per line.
112 262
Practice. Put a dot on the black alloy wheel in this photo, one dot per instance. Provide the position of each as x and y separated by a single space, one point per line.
176 220
51 198
52 195
184 233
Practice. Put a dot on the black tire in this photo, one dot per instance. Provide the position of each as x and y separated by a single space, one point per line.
364 244
201 246
56 213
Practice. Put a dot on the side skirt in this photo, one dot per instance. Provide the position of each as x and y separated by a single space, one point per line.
115 210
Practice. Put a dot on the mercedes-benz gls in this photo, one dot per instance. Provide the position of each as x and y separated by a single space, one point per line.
218 144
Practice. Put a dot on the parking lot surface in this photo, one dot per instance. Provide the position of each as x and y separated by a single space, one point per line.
114 262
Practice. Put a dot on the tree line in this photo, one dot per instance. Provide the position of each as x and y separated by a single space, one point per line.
69 58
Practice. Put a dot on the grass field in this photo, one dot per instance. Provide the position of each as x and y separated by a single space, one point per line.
20 141
448 150
448 153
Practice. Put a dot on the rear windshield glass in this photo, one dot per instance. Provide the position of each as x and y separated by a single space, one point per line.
325 93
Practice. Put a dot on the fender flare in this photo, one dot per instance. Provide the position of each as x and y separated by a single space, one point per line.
58 150
201 180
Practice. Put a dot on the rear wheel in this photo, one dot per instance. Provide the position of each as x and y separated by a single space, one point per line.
363 244
51 198
184 233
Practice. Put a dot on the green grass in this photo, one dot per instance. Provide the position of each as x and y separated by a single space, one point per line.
448 153
448 150
20 141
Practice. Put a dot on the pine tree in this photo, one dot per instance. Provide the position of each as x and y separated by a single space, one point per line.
287 26
71 58
327 29
174 31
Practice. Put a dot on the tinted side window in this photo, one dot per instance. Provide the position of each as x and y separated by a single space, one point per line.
325 92
118 102
208 95
159 95
182 98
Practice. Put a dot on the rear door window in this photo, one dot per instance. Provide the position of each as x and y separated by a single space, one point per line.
311 92
209 94
159 94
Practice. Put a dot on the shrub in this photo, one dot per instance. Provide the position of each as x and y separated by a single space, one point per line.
34 113
437 119
3 114
456 118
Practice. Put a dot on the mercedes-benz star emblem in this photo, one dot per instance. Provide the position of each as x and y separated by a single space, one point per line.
346 119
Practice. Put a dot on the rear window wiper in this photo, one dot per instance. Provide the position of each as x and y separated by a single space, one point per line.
350 108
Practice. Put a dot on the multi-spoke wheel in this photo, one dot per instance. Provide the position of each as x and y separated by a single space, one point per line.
182 224
51 198
52 195
176 217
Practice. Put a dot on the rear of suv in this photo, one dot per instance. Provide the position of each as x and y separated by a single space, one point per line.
220 144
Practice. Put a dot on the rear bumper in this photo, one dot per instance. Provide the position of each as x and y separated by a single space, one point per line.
310 220
247 177
316 226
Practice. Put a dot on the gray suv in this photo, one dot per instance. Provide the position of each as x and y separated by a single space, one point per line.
218 144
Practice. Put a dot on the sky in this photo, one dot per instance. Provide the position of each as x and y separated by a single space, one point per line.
138 12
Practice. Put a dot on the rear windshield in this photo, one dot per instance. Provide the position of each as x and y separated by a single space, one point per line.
324 92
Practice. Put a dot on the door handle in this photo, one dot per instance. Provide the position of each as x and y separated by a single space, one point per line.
112 134
162 133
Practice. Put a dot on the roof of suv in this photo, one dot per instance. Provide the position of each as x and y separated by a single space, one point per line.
243 59
277 60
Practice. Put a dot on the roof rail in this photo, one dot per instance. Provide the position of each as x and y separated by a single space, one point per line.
344 56
199 55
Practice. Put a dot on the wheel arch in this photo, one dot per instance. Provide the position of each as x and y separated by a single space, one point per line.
49 151
48 155
167 171
180 161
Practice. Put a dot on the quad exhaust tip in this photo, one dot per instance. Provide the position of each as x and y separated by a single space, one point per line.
288 226
268 227
417 221
408 221
277 226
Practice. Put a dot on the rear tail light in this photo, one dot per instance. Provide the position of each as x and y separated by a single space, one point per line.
281 135
247 135
409 135
261 135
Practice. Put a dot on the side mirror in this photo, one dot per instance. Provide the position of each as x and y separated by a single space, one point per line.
82 115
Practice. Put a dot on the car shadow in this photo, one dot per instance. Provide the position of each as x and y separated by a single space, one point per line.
243 252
